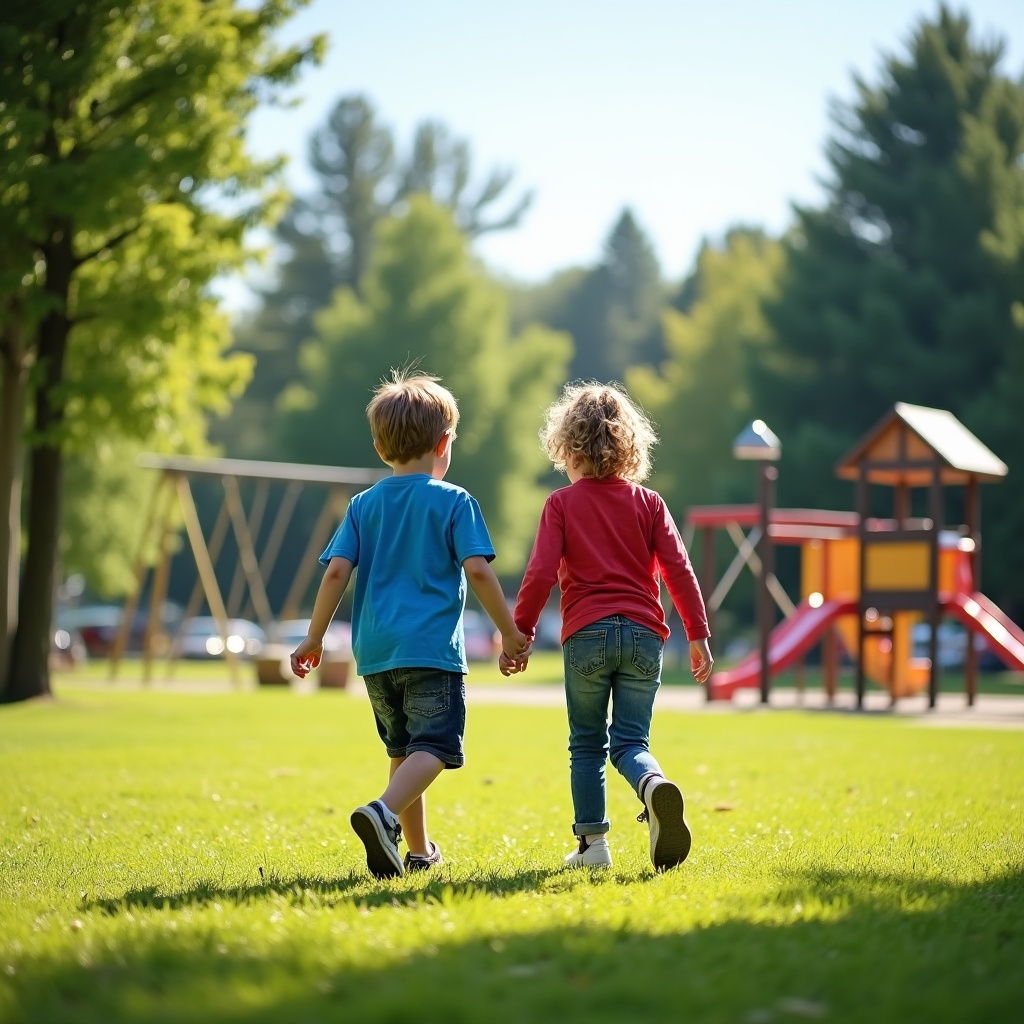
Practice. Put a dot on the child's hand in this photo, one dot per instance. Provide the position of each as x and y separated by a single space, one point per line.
307 656
701 661
514 643
510 666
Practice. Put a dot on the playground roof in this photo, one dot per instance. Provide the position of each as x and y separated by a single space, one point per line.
908 444
296 471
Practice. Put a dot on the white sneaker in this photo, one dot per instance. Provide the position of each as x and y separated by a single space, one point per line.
663 811
380 834
593 853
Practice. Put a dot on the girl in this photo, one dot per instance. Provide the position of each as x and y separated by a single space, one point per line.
607 542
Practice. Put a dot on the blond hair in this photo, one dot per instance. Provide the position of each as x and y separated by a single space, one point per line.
600 425
409 414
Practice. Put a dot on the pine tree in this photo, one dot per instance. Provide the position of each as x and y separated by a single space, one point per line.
614 315
903 286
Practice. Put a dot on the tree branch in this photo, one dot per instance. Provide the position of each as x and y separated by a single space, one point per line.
112 243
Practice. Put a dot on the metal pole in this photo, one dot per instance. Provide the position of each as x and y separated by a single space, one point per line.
765 612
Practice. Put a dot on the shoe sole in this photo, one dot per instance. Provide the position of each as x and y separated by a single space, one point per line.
671 845
379 859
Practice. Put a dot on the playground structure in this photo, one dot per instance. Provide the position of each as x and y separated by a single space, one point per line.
865 581
254 560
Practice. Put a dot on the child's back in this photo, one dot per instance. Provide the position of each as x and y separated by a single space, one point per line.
416 542
608 542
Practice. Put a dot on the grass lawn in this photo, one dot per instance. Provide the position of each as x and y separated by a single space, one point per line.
172 857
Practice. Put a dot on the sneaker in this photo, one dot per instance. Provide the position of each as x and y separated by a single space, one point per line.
421 862
380 834
593 853
663 811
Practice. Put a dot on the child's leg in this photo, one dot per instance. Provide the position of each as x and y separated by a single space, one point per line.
633 691
589 660
634 688
413 817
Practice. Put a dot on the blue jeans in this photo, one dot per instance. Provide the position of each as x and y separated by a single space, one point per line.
420 709
612 660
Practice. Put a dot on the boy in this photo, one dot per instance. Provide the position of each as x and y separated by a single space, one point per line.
416 541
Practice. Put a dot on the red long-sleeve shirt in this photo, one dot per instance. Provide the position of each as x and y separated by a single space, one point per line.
606 543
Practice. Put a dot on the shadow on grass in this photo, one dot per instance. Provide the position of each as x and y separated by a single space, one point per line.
877 949
434 885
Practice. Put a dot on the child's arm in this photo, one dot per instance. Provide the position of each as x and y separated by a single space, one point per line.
485 585
332 588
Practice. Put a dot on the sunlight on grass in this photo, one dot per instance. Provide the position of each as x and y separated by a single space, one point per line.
188 857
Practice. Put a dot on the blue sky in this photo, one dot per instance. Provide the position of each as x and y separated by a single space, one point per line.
697 115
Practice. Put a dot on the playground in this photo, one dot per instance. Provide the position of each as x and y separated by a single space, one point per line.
867 581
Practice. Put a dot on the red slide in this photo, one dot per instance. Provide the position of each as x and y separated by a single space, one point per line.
787 642
980 615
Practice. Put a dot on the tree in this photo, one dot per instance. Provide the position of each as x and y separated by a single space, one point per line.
614 316
326 240
903 285
427 302
126 188
700 396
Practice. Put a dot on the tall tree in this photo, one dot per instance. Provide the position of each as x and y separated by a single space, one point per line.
124 145
699 397
426 301
904 285
326 240
614 315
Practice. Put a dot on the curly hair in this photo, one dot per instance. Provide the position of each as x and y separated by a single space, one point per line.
599 424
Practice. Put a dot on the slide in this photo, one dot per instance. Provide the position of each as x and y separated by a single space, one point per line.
980 615
788 641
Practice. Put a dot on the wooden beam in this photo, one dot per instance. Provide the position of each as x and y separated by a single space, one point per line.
139 572
246 552
317 542
205 567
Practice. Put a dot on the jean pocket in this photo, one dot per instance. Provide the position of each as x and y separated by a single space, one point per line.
647 652
587 651
428 697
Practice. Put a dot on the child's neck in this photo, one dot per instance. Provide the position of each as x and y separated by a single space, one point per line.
424 464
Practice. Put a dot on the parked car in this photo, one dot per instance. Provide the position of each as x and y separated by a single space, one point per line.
98 625
483 641
291 632
201 638
952 646
273 668
68 649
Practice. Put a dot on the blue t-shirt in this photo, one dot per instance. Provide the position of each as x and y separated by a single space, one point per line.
408 536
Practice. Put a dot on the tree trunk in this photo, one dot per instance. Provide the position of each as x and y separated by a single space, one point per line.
29 671
12 416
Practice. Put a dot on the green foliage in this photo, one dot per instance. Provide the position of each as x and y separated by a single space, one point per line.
614 315
125 189
699 397
173 857
903 286
427 302
106 494
326 241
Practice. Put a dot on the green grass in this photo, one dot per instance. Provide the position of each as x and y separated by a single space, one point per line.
545 667
173 857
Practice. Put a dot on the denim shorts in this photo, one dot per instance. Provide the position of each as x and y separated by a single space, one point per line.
420 709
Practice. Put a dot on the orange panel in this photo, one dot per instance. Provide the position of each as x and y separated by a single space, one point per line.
886 447
898 566
812 568
843 567
918 450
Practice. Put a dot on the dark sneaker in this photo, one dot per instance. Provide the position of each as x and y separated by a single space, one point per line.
417 862
663 811
380 834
